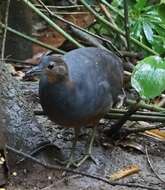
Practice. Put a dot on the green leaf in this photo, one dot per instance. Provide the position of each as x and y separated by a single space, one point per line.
158 44
148 77
136 30
160 29
117 3
162 12
148 31
140 5
162 2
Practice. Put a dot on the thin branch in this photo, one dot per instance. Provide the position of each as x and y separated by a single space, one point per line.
82 29
5 30
32 39
67 13
126 24
136 117
142 104
62 7
151 166
122 112
51 23
146 113
107 13
112 8
143 129
77 172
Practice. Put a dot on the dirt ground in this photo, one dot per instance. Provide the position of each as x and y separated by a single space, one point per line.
109 159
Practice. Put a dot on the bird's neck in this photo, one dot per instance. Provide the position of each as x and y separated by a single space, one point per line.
64 83
57 79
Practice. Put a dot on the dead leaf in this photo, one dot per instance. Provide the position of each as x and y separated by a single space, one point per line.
127 171
160 134
133 144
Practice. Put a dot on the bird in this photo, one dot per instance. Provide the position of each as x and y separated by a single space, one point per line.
78 88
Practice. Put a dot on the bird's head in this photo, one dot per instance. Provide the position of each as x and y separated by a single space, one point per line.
53 66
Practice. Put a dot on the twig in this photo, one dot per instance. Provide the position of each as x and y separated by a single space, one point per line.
68 13
142 129
77 172
142 104
152 168
126 24
62 7
112 8
107 13
116 29
82 29
5 30
51 23
32 39
136 117
146 113
131 54
142 116
86 37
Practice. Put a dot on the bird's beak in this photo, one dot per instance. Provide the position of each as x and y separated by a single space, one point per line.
35 71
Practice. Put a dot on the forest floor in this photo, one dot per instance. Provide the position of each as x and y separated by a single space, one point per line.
110 157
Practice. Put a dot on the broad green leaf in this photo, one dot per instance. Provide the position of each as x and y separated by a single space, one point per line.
148 77
148 31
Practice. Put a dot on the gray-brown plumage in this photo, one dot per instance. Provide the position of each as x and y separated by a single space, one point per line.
77 89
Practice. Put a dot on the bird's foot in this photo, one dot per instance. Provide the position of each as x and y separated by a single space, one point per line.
69 163
88 154
86 157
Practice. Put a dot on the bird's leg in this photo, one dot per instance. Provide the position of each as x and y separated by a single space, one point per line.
71 161
88 153
71 157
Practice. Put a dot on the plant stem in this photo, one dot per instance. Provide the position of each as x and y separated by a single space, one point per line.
32 39
122 111
116 29
51 23
142 104
135 117
79 28
126 24
5 31
112 8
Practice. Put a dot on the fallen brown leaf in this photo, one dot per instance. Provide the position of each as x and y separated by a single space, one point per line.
160 134
126 171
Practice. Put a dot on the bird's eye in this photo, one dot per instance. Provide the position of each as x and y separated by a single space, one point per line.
51 65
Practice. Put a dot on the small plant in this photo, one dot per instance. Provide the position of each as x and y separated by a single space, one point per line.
148 77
